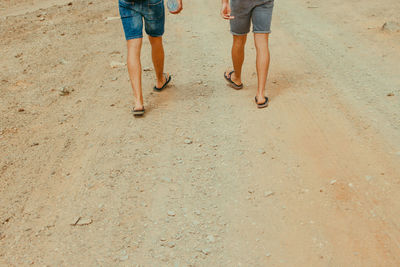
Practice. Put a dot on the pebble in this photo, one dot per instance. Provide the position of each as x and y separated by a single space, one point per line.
390 94
147 69
64 91
333 182
116 64
171 213
188 141
35 144
112 18
210 238
268 254
368 178
170 244
166 179
261 151
391 26
197 212
206 251
268 193
21 110
351 185
124 258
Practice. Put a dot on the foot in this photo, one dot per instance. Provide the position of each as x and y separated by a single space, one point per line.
237 80
138 106
162 81
260 99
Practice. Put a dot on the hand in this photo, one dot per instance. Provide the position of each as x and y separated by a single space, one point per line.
226 11
180 7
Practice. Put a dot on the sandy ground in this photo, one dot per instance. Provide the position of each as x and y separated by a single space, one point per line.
205 179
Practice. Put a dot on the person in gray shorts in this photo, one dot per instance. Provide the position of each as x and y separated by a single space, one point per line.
243 13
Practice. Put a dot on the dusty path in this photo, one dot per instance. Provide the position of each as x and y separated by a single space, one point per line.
204 179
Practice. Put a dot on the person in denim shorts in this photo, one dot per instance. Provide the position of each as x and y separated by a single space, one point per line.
243 13
151 14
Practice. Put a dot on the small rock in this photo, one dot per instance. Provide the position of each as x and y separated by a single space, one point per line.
333 182
166 179
171 213
63 61
267 254
351 185
124 258
21 110
390 94
163 239
115 64
112 18
114 79
210 238
261 151
268 193
391 26
35 144
206 251
197 212
64 91
188 141
147 69
170 244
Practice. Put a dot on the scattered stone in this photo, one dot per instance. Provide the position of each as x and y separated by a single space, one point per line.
124 258
210 238
18 55
197 212
42 19
35 144
171 244
114 79
63 61
351 185
171 213
268 193
112 18
163 239
21 110
166 179
147 69
390 94
268 254
64 91
206 251
391 26
69 4
333 182
116 64
188 141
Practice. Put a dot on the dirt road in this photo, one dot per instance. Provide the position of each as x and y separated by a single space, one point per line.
205 179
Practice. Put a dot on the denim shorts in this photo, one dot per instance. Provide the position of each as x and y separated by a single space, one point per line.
258 12
134 12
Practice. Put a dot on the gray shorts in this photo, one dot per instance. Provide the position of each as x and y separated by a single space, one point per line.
258 12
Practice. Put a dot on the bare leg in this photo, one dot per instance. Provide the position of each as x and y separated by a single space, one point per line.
239 43
157 53
263 58
135 70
